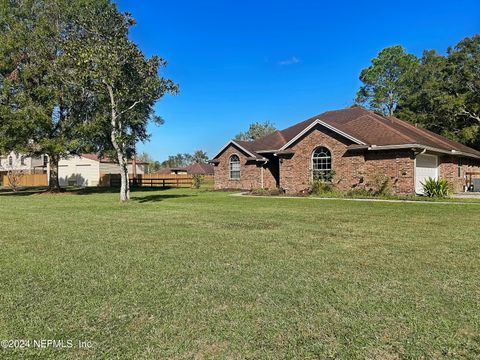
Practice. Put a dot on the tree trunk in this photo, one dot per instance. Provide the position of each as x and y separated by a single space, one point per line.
125 183
53 182
116 124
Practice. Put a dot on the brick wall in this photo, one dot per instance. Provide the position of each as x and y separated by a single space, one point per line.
351 169
449 166
250 172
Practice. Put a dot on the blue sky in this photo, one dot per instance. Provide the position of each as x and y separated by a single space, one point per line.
239 62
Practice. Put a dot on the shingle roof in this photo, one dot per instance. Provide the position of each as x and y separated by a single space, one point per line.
364 125
200 169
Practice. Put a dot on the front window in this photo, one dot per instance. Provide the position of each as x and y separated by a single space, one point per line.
22 161
234 167
45 160
10 161
322 164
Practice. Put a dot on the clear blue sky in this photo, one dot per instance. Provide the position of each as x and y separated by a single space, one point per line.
243 61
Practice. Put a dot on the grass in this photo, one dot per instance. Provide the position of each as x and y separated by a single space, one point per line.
182 273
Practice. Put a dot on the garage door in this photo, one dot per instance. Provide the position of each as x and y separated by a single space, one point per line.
425 166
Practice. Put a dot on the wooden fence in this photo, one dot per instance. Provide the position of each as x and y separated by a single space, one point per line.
28 180
153 180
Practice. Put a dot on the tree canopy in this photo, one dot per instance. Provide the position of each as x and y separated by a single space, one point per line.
181 160
256 130
438 92
385 81
71 80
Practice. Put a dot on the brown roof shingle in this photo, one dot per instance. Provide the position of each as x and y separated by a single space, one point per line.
364 125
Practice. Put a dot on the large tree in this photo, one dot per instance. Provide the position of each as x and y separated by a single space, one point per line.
385 81
125 84
256 130
40 104
444 93
199 157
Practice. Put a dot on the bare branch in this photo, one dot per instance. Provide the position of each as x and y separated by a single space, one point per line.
131 107
471 115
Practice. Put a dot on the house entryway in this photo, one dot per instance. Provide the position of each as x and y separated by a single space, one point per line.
426 166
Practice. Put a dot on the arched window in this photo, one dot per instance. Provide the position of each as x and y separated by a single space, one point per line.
234 167
322 164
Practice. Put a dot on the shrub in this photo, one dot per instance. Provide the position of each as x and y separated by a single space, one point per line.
197 180
320 187
436 187
324 176
358 192
265 192
380 185
322 183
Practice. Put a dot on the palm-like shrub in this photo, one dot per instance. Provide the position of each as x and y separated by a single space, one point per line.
436 187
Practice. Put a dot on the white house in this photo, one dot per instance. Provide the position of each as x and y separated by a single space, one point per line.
83 170
88 169
19 162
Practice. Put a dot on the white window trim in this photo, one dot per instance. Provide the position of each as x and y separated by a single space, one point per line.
311 158
230 167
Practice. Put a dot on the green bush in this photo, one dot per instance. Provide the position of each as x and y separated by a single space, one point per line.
380 185
265 192
436 187
197 180
320 187
358 192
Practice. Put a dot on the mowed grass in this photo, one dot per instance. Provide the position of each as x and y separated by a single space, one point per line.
195 274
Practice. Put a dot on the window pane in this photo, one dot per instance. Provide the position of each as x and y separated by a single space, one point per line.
234 167
321 163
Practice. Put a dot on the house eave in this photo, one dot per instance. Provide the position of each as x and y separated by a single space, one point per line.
237 145
423 147
324 124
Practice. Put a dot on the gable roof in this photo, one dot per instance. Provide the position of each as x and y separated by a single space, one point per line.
365 129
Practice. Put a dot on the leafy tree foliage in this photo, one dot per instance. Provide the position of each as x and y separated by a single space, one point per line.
72 80
41 104
385 81
199 157
437 92
181 160
444 93
256 130
125 83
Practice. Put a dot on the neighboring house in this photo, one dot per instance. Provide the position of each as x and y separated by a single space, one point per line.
19 162
200 169
355 143
194 169
88 169
84 170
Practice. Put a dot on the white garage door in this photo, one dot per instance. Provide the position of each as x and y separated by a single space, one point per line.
425 166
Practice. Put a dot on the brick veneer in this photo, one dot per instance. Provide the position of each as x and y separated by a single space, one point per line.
448 168
250 172
352 168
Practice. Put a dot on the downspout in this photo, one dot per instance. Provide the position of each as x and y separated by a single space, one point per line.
261 171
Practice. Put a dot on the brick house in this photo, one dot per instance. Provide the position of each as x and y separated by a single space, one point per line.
355 144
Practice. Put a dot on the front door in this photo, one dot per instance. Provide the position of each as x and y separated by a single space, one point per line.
426 166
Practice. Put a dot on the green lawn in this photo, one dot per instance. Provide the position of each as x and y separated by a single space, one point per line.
193 274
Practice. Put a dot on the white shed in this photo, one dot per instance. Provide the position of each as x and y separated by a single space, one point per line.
87 169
